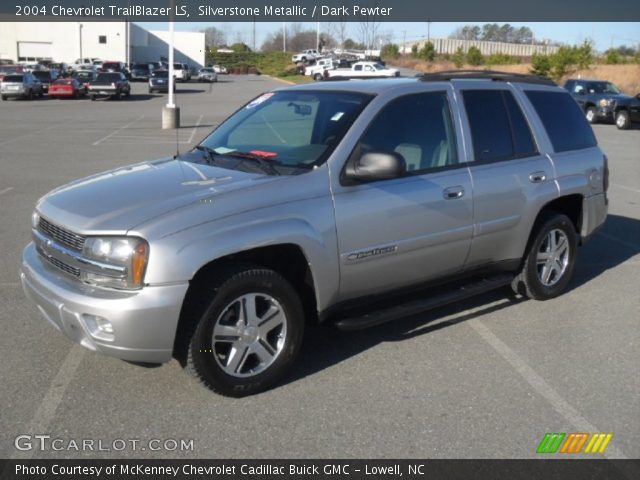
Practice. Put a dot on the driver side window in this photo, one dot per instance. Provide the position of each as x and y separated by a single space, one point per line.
418 127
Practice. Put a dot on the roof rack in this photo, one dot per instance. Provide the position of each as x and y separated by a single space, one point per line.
484 75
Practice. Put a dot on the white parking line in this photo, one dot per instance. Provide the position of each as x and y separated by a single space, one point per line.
625 187
8 189
98 142
46 411
9 284
542 387
195 129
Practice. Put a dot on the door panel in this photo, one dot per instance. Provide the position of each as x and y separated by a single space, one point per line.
399 232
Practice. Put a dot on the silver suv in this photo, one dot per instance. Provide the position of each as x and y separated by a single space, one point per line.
320 203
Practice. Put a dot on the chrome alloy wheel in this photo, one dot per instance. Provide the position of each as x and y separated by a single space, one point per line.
249 334
620 120
591 114
553 257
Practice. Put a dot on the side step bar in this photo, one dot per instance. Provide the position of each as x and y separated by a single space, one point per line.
422 305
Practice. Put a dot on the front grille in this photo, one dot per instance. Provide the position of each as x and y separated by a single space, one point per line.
62 266
65 237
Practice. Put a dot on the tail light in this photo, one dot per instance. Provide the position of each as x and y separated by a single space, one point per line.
113 84
605 174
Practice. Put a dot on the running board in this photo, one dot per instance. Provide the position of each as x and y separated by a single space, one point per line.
422 305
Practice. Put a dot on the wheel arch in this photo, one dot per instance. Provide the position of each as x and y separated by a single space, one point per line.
287 259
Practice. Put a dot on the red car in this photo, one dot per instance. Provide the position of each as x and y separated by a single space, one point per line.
67 87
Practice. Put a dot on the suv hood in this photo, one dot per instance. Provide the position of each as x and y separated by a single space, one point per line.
118 200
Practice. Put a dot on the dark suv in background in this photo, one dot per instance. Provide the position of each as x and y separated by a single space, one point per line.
602 100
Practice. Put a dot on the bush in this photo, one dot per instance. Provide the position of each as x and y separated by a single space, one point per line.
428 52
540 64
501 59
390 50
458 58
414 50
474 56
612 57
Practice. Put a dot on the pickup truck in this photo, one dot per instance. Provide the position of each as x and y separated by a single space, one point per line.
354 203
316 70
305 56
114 85
602 100
362 70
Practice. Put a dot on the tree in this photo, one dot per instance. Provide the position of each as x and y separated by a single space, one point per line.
474 56
612 57
468 32
240 47
390 50
368 33
353 45
428 52
213 37
540 64
458 58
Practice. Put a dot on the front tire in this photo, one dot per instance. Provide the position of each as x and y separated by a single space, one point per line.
317 77
592 115
248 333
623 120
549 262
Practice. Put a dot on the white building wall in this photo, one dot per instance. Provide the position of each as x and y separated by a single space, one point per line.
65 39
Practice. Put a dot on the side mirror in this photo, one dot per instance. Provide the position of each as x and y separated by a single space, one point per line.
377 166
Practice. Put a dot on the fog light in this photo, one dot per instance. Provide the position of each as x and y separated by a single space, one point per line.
99 326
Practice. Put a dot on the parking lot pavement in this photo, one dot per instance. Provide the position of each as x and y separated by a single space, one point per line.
484 378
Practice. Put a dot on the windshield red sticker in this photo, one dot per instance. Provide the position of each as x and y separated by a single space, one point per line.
259 100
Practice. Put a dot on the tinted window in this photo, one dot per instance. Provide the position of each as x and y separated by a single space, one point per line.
489 122
418 127
109 77
13 78
161 74
523 144
563 120
42 75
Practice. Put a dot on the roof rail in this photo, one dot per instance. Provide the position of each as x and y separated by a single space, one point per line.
484 75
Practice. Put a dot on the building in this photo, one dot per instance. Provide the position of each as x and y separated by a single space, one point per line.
119 41
451 45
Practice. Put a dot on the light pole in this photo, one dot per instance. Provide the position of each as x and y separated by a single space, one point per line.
171 113
80 36
284 36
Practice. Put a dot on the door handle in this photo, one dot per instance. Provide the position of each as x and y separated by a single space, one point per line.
452 193
538 177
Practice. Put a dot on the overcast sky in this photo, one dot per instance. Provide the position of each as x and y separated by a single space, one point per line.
605 34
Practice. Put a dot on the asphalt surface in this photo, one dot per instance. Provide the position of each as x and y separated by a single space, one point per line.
486 378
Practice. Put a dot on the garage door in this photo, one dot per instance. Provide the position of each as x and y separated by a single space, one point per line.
34 50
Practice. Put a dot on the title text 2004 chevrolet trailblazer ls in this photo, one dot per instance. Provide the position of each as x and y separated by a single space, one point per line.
342 201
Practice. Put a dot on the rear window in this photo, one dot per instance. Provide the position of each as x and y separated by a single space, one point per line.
42 75
109 77
161 74
111 66
13 78
563 120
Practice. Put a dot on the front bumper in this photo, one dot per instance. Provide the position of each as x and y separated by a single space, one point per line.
144 321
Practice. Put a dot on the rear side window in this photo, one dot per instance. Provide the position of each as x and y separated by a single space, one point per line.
499 130
563 120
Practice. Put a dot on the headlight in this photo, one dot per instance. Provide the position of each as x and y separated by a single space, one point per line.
118 262
606 102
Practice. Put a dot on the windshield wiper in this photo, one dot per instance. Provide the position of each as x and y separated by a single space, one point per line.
264 164
208 151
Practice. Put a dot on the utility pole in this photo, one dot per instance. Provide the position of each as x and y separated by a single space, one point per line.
284 36
254 33
428 30
318 36
404 42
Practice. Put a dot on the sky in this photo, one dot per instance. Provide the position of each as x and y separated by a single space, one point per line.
605 34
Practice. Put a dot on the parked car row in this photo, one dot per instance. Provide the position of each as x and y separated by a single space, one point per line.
603 101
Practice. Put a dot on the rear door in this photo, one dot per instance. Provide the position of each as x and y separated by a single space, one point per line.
402 231
512 177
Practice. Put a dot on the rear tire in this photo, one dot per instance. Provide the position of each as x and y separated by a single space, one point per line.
257 319
317 77
4 97
623 120
592 115
550 259
93 98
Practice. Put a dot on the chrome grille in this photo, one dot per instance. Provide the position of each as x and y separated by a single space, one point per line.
65 237
62 266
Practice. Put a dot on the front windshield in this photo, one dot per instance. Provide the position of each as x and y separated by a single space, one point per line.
296 129
602 87
379 66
